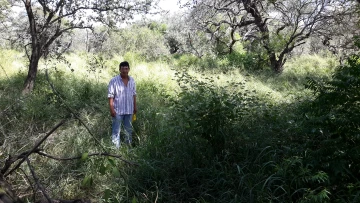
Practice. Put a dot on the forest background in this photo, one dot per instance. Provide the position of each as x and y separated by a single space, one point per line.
238 101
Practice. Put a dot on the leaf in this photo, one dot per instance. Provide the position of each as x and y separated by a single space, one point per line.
87 181
116 172
102 169
111 161
84 156
107 194
134 200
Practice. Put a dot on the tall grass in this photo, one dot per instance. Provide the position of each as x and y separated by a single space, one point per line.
185 111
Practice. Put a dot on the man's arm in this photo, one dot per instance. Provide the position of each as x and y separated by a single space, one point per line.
111 105
135 109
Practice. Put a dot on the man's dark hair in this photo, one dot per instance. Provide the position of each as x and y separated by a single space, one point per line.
124 63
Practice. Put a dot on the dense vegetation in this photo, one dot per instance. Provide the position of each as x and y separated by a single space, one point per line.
234 104
219 135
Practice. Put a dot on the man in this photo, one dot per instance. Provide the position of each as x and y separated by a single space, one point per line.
122 102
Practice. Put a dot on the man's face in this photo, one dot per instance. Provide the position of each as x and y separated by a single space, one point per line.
124 70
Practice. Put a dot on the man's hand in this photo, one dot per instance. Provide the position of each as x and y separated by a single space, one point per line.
112 109
113 113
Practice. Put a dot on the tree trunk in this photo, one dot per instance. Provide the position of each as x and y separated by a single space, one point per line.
35 51
31 76
250 7
276 64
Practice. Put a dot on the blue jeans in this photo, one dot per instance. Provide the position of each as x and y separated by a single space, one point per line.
125 120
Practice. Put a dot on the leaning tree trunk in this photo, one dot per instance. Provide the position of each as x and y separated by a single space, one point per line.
35 50
251 7
32 72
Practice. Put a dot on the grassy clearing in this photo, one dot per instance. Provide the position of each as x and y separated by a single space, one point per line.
228 138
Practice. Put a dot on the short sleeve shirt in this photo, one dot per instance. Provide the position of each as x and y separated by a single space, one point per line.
123 95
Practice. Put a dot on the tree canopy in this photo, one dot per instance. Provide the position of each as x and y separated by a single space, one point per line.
278 26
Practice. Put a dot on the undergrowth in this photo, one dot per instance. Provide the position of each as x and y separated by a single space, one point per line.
202 135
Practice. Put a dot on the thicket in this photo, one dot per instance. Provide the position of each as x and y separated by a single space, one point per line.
226 133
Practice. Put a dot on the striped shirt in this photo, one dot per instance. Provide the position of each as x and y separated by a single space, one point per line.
123 95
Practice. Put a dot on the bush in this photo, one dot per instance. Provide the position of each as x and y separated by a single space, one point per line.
148 43
209 111
334 134
246 61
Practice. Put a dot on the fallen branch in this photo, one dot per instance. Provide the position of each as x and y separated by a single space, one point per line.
36 179
89 155
24 155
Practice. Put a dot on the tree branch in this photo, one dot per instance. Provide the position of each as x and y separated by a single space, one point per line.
28 179
24 155
36 179
89 155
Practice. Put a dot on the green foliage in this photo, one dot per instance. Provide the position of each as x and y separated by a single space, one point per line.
319 66
250 61
87 182
147 42
334 127
96 64
297 181
133 58
257 57
279 40
207 110
242 60
186 60
215 137
157 27
220 43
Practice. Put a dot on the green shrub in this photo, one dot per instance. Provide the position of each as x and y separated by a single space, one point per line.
334 129
146 42
295 181
242 60
187 60
315 66
209 111
247 60
133 58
